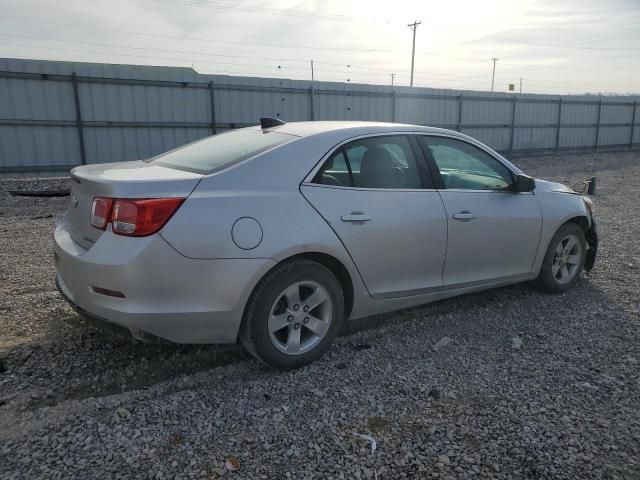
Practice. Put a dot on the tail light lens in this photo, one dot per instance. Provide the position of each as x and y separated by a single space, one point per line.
138 218
100 211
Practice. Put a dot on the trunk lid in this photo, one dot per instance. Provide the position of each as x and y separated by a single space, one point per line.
120 180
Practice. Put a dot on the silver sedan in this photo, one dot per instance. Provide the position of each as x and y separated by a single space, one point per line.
276 235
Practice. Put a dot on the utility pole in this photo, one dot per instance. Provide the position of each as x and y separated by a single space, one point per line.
313 94
393 76
520 85
493 75
414 27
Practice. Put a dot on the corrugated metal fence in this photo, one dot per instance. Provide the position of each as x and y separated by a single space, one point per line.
56 115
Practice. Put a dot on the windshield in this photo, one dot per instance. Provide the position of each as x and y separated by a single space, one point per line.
221 151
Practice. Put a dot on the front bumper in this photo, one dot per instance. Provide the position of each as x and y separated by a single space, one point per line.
166 295
592 246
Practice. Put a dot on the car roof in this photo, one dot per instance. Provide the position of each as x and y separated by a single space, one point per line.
341 130
306 129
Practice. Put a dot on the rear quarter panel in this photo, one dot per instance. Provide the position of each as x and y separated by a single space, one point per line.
266 189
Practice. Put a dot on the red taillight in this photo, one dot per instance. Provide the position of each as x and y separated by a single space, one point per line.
131 217
100 212
138 218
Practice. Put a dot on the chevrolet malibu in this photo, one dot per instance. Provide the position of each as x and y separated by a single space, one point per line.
276 235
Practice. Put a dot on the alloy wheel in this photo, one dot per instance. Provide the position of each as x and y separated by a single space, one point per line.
566 259
300 317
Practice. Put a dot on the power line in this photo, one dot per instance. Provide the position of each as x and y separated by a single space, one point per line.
188 52
476 79
189 62
261 45
289 13
252 57
430 77
277 59
551 45
450 84
192 52
259 10
350 71
200 39
221 72
328 16
279 67
172 59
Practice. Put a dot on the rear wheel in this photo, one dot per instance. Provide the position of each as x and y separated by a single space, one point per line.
293 315
564 260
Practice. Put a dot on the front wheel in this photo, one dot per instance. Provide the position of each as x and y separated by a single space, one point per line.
293 315
563 261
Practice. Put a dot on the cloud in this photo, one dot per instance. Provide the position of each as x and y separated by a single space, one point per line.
558 47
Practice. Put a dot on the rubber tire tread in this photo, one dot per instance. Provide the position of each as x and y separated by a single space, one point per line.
252 335
545 280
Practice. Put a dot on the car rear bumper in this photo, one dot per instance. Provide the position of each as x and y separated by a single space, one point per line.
107 325
144 286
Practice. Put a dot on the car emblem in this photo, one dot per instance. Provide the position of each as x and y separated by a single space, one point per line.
74 199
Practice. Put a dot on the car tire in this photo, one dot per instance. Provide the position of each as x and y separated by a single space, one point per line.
283 333
563 261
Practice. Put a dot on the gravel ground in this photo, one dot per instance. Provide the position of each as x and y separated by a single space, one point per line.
509 383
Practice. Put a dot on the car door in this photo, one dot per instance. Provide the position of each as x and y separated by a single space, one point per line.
493 231
376 194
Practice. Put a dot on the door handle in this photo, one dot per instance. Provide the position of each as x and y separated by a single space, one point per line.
355 217
464 215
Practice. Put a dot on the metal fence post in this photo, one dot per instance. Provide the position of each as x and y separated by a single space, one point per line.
513 122
79 126
212 102
460 112
393 106
598 125
312 95
633 124
559 124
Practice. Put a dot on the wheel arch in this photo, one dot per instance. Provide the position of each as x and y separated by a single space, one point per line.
340 271
330 262
580 220
546 279
549 228
590 235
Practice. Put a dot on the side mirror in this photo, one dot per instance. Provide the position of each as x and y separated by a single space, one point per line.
524 183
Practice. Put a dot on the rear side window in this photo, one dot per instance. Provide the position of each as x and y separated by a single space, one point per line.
220 151
376 162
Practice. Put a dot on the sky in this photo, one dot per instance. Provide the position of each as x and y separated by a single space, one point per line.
554 46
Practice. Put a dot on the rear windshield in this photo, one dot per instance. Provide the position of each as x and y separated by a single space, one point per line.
220 151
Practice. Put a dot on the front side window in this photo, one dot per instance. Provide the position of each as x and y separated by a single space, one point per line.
465 166
220 151
375 162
